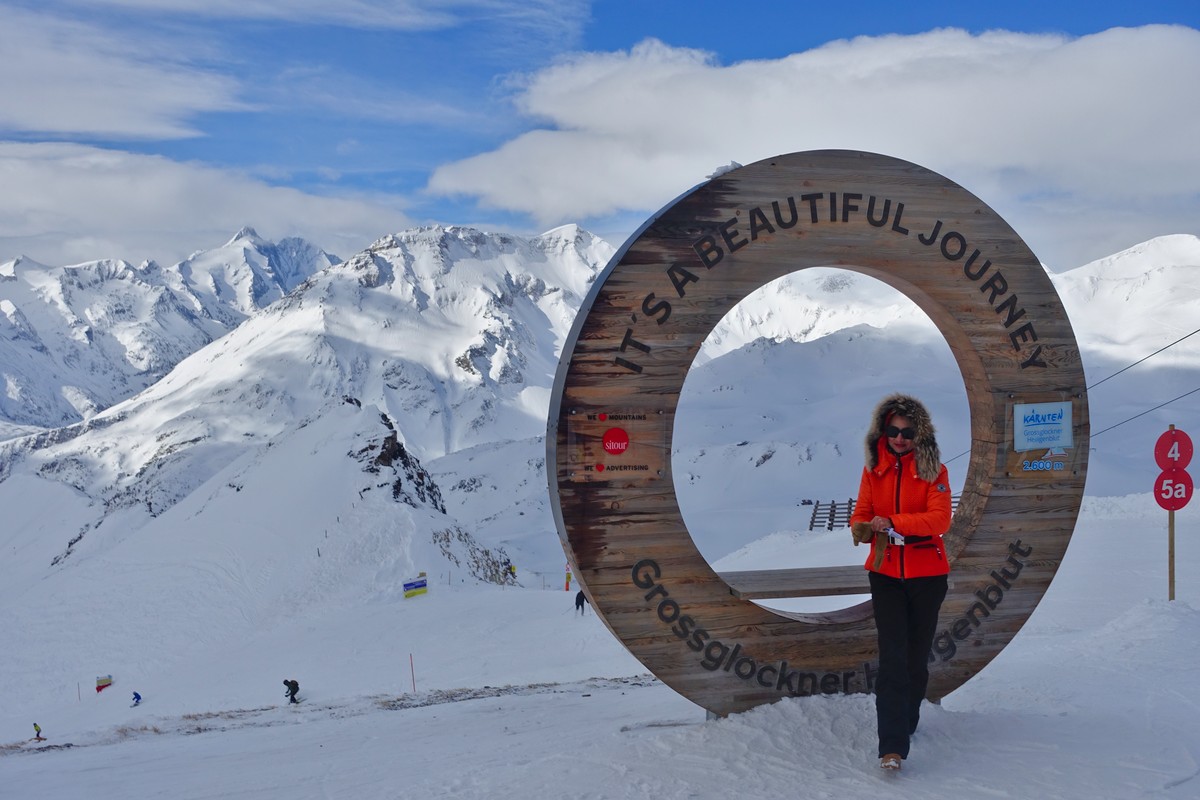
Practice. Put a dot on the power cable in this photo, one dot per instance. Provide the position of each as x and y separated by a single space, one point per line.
1134 364
1147 411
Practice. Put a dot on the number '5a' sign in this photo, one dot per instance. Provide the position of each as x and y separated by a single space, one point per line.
1173 452
1173 489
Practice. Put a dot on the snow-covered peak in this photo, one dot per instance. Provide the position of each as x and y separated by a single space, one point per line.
464 260
9 269
1175 250
248 235
1131 303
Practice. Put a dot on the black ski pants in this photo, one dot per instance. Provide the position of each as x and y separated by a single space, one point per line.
906 613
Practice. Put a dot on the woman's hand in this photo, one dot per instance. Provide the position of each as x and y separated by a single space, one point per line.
880 524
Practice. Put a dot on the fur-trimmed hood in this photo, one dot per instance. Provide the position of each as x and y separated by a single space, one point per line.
925 448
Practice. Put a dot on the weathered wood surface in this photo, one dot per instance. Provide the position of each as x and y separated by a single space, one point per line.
759 584
633 344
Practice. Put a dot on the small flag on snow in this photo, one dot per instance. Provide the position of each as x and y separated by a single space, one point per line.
415 587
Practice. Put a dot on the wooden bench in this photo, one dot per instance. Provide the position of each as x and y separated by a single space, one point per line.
758 584
755 584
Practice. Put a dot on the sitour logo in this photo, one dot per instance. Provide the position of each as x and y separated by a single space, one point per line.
616 441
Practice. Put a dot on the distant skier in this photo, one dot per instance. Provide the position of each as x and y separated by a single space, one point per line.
37 733
293 688
580 601
137 698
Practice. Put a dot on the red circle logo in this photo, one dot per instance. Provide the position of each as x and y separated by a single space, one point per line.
616 441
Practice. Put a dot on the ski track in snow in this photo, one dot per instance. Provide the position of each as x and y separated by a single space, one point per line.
618 739
271 716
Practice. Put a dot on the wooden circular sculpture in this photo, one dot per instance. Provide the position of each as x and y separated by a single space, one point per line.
612 418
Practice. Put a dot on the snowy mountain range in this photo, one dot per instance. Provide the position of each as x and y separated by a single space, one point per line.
76 340
447 339
325 430
440 340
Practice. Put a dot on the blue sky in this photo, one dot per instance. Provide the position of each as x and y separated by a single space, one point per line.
143 129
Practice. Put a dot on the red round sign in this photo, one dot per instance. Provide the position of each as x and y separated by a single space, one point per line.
616 441
1173 489
1173 450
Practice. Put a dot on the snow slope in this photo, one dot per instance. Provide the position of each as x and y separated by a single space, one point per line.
516 697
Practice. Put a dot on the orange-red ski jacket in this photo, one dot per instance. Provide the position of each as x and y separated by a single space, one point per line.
918 509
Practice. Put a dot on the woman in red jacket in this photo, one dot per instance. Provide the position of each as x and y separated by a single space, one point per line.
903 508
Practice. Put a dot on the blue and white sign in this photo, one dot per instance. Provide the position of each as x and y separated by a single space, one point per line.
1042 426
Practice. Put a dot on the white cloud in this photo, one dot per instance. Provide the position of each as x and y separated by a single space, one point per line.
84 69
72 77
408 15
66 203
1086 145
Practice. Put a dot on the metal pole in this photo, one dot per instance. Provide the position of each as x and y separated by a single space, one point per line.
1170 555
1170 545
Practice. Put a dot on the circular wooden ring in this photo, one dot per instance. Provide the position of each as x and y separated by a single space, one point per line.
611 423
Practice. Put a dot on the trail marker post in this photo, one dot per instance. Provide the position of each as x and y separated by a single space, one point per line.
1173 487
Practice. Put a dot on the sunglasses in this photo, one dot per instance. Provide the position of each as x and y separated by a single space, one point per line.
892 432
